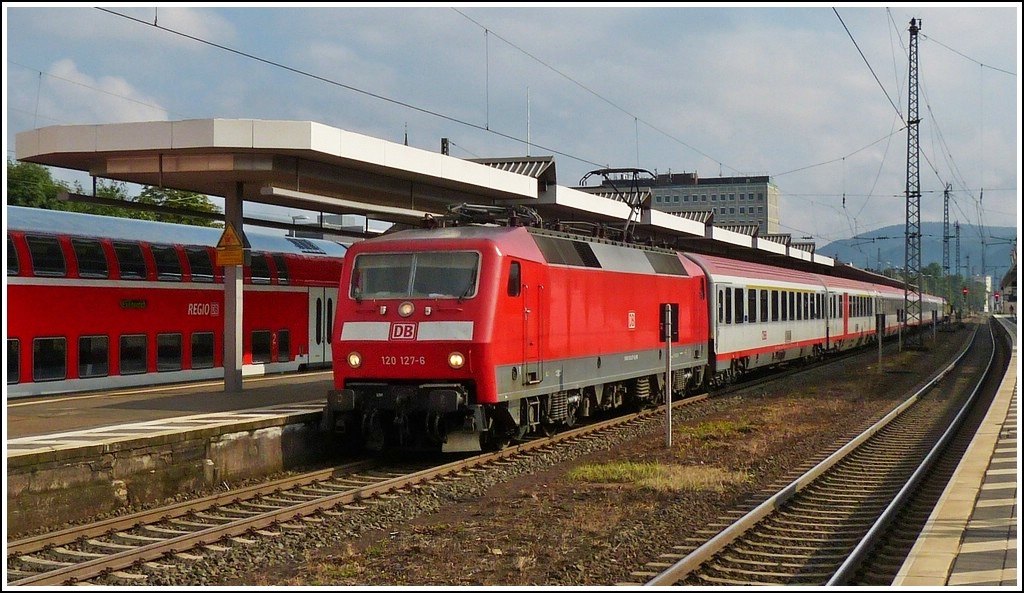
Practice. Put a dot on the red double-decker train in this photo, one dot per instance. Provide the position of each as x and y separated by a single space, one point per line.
96 302
470 336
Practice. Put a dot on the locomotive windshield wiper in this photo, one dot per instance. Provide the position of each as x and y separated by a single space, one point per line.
469 286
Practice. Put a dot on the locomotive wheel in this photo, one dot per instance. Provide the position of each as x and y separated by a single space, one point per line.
572 414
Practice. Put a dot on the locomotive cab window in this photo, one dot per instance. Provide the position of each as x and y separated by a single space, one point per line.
92 262
429 274
130 260
47 256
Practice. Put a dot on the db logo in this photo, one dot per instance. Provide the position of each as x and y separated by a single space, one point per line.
403 331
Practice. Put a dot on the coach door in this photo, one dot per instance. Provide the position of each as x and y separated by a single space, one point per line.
321 317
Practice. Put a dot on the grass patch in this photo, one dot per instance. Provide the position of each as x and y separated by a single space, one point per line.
659 477
718 429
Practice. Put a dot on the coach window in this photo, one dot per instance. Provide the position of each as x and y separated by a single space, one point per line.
133 355
92 262
261 346
515 279
202 350
764 304
728 305
282 268
775 305
284 346
792 306
93 356
49 359
168 352
199 264
13 267
13 361
130 261
738 303
259 269
168 266
751 305
807 305
721 313
47 256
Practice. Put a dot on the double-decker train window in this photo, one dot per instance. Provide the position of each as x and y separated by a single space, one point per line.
202 350
168 352
93 356
92 262
133 355
284 346
13 361
200 264
261 340
130 260
47 256
13 266
282 268
49 359
168 266
259 269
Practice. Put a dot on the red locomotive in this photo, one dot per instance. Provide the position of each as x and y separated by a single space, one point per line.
97 302
465 337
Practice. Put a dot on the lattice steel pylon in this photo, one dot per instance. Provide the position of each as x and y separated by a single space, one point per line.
945 242
912 285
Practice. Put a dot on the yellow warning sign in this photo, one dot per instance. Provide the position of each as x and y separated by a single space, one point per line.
230 249
229 238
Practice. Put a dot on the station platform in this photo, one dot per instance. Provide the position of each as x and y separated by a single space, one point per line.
79 420
971 538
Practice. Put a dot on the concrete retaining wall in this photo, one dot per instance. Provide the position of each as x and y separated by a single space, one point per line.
54 487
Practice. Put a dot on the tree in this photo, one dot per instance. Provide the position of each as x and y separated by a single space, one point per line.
32 185
179 200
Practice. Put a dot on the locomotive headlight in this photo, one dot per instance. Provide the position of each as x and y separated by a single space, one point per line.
406 309
355 360
456 360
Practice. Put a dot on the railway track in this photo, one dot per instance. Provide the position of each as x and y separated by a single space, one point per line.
846 520
129 548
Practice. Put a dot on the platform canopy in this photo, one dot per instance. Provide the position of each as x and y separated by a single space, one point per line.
298 164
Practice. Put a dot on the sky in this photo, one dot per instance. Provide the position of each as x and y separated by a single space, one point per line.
814 96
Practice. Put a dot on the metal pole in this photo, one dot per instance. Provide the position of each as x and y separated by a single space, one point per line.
668 375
